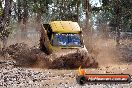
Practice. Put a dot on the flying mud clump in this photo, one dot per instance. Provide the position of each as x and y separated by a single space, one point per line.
33 57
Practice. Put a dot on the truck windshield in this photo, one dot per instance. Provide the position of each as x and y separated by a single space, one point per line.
66 40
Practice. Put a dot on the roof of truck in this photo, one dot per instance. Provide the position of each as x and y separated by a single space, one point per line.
65 27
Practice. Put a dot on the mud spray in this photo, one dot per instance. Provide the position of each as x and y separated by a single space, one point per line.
104 49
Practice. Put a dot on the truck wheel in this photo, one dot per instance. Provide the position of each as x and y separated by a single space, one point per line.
81 80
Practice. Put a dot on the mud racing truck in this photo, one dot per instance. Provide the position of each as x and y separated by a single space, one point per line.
64 40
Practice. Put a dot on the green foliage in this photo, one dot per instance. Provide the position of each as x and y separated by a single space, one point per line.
1 11
123 8
40 6
105 3
96 9
49 2
74 2
5 32
1 8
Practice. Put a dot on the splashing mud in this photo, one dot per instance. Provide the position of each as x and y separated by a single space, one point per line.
105 51
34 57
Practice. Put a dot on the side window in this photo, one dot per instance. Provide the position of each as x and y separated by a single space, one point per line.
49 30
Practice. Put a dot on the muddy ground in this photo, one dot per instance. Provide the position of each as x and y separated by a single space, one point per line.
17 77
111 59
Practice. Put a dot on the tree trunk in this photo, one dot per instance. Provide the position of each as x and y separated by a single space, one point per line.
25 19
117 22
19 12
1 16
38 17
78 4
6 22
117 35
19 17
87 15
25 13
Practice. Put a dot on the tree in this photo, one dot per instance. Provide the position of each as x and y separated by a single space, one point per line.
22 7
117 9
5 22
40 7
87 8
118 15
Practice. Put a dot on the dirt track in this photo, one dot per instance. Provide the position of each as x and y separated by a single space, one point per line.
19 77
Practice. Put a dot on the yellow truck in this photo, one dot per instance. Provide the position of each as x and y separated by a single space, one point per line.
64 34
64 40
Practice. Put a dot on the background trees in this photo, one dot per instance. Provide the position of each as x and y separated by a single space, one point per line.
112 15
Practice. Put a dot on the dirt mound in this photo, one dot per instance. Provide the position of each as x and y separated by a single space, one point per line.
34 57
24 55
